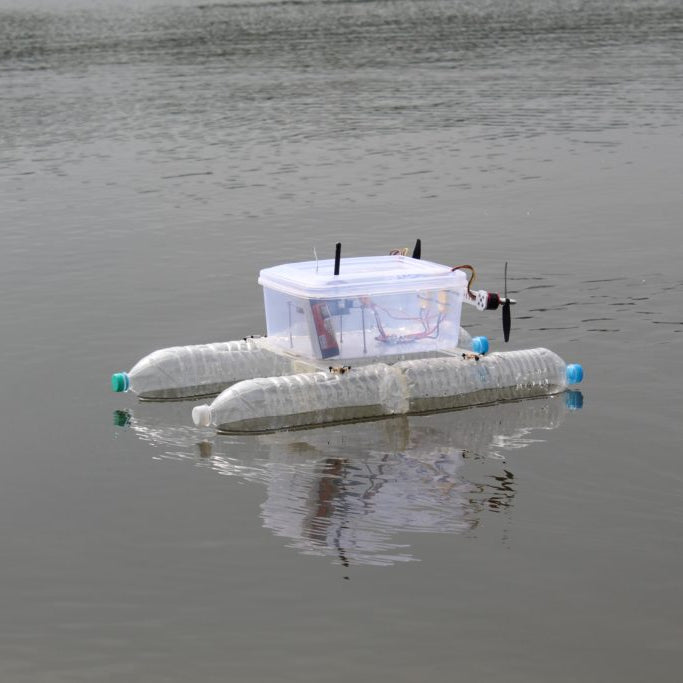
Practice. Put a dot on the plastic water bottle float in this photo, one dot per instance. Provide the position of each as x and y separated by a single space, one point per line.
352 339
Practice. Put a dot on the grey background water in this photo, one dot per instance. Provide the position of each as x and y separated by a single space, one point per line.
155 155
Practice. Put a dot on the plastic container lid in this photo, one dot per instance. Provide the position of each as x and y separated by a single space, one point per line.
360 276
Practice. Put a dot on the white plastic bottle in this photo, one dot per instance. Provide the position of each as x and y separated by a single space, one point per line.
379 390
440 383
205 369
200 370
303 399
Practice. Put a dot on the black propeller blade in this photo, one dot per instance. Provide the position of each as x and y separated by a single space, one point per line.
417 251
507 321
507 317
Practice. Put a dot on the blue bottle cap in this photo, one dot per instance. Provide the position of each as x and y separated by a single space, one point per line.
573 400
574 373
480 344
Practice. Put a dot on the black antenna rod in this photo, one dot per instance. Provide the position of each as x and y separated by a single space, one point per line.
417 251
337 258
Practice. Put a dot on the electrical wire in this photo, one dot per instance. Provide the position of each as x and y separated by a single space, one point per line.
473 277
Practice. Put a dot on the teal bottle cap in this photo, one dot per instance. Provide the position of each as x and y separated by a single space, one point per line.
120 381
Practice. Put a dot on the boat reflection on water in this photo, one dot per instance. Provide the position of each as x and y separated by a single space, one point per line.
353 492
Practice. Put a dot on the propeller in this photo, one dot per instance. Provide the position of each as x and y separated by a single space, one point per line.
507 317
490 301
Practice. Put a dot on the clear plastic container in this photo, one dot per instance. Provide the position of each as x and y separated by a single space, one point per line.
377 306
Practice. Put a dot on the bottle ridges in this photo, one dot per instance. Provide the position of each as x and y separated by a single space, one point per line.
380 389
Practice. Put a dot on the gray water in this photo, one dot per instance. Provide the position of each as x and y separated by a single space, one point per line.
155 155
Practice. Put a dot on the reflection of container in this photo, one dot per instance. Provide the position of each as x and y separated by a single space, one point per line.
378 306
353 492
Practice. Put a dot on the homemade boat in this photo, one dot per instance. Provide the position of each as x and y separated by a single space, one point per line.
352 339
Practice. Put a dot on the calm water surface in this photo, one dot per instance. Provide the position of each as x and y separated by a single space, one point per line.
155 155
